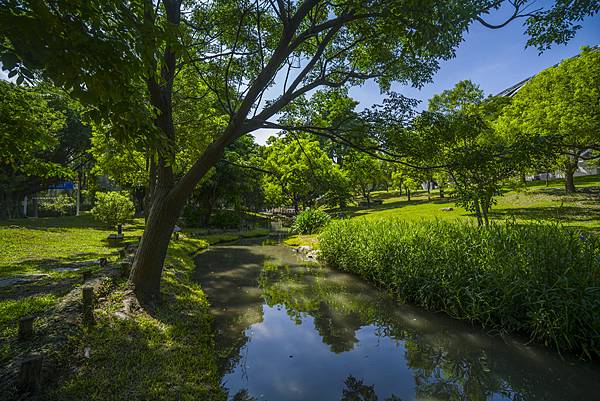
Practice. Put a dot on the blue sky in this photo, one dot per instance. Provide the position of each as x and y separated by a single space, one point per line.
494 59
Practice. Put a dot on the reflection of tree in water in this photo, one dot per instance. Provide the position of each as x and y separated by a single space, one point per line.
355 390
337 330
243 395
443 368
445 364
455 374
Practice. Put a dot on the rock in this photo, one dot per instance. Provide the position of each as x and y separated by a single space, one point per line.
304 249
121 315
447 209
313 255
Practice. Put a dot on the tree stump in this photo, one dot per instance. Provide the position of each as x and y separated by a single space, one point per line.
30 374
88 305
122 253
26 328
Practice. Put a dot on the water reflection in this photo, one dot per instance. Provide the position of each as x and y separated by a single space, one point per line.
291 331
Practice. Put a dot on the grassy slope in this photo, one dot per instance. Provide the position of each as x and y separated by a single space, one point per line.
533 202
160 354
165 353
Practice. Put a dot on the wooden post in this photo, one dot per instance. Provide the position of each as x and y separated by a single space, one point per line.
125 269
26 328
88 305
25 200
30 374
86 275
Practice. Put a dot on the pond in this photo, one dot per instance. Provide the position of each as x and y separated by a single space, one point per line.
287 329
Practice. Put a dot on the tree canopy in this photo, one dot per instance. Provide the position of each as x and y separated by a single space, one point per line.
560 105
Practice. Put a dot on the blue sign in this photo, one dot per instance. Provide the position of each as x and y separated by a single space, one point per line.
63 185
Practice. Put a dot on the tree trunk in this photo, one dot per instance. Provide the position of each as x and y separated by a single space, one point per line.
408 194
485 207
151 253
441 192
570 169
478 212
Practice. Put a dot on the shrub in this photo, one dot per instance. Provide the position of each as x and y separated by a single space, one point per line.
310 221
113 208
540 280
61 205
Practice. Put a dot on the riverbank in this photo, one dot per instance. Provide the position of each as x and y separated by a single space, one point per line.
536 279
161 353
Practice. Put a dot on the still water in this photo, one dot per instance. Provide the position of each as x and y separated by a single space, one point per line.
288 329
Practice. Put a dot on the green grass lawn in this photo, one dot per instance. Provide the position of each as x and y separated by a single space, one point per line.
532 202
41 245
160 353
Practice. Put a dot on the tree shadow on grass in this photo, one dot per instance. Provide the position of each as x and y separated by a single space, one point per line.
557 213
358 211
165 353
55 276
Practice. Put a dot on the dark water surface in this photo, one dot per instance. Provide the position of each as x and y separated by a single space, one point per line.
292 330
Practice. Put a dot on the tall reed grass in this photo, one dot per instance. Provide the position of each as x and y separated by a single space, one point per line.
536 279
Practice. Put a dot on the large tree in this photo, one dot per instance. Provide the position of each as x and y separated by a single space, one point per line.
124 57
562 105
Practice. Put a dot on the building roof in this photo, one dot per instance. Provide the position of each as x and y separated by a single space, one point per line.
510 92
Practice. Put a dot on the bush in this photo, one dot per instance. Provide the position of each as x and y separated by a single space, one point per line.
540 280
61 205
310 221
113 208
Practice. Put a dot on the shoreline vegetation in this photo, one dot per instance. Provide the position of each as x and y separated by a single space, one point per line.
541 280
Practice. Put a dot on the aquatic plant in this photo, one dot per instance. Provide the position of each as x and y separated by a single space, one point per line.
541 280
310 221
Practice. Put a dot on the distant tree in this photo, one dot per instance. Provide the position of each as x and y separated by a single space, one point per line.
234 183
300 170
364 172
560 107
462 143
464 94
42 141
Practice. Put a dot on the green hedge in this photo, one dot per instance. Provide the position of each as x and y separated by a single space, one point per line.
540 280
